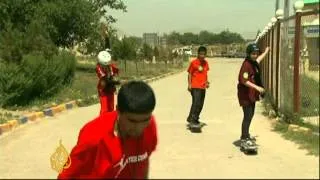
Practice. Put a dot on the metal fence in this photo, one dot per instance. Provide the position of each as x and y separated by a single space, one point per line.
291 69
141 69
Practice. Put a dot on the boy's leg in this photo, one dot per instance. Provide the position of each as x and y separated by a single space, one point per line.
247 117
196 94
191 117
110 102
251 115
202 95
103 104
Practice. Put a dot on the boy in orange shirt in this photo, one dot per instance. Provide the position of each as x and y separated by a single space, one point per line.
197 85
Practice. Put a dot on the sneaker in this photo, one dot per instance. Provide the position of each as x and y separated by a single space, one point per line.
189 120
247 142
194 125
252 138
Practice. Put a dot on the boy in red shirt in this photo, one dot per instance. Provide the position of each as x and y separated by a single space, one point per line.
197 85
106 71
117 144
250 88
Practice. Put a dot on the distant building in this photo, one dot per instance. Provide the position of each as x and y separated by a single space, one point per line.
163 42
151 39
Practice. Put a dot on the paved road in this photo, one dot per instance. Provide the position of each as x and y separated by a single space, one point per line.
25 152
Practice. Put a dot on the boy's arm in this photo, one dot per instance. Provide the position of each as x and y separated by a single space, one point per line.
146 176
189 81
100 74
244 79
253 86
154 135
261 57
208 82
81 158
190 71
80 161
115 69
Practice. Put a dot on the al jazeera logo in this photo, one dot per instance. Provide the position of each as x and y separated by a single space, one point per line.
60 159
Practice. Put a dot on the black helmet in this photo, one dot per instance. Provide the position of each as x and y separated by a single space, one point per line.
251 48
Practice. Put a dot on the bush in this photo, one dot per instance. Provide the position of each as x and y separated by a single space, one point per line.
31 65
11 45
34 77
86 67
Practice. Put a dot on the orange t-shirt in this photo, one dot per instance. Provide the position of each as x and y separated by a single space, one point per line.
199 73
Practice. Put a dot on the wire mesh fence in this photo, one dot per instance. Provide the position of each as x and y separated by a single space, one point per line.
309 67
286 66
279 68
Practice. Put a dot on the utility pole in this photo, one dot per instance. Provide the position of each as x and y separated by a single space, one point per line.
286 8
277 5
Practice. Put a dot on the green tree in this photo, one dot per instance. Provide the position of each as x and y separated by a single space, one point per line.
174 38
204 37
67 22
227 37
156 52
125 48
101 7
147 51
189 38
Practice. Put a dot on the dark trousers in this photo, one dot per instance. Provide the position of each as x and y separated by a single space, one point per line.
248 112
198 96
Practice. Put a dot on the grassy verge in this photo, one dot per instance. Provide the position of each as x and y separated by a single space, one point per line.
310 142
4 116
84 85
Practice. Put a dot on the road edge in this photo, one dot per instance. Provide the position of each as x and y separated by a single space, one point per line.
13 124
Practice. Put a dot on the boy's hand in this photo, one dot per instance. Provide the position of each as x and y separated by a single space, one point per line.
261 90
207 84
267 49
189 88
103 83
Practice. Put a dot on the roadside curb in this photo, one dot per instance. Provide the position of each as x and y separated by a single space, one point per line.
294 127
291 127
36 116
52 111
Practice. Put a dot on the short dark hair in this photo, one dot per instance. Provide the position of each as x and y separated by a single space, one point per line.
136 97
202 49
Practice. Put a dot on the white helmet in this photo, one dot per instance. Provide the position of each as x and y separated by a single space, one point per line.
104 57
108 50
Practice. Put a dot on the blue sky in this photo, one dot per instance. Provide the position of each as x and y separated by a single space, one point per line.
163 16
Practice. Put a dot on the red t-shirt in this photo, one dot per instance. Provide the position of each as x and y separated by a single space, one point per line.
99 153
199 73
246 95
102 72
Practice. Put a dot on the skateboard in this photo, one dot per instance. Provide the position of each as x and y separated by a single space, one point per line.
196 128
249 149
